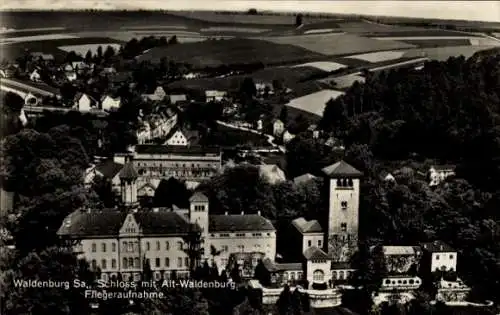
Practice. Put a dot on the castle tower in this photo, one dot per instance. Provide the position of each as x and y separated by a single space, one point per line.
342 190
198 213
128 182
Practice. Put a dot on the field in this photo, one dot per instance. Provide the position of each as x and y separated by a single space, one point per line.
419 33
243 18
428 43
338 44
443 53
326 66
314 103
231 52
379 56
12 51
343 82
83 49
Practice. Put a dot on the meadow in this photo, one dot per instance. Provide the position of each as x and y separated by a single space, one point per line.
13 50
443 53
379 56
338 44
214 53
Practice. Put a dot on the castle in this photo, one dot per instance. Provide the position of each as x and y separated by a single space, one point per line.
121 241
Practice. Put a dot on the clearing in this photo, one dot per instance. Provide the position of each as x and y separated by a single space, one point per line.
443 53
379 56
314 103
327 66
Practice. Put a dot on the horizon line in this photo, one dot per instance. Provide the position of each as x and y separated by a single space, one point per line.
235 11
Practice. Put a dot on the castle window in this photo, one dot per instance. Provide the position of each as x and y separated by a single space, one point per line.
339 182
157 262
344 182
113 247
387 281
148 246
124 263
167 262
157 245
309 243
124 245
131 262
103 247
225 248
343 227
341 275
350 183
334 275
318 275
241 248
319 243
240 234
451 256
437 257
94 264
94 247
167 246
411 281
179 262
186 262
179 245
104 264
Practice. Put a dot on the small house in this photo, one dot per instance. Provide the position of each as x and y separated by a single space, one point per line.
83 102
214 95
438 173
39 56
109 103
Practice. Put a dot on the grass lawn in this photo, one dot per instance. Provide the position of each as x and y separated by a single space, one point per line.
338 44
214 53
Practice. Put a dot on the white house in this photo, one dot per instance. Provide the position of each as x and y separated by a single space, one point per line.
35 76
82 102
278 128
287 137
174 98
442 257
158 95
215 96
177 138
438 174
110 103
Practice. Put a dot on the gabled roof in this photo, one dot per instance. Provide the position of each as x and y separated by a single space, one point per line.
147 185
314 253
198 197
341 169
237 222
437 247
305 226
109 168
109 222
399 250
128 172
303 178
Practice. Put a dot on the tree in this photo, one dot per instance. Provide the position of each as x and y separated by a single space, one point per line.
193 249
262 274
284 115
171 192
109 53
247 88
88 56
252 11
99 53
147 272
298 20
284 302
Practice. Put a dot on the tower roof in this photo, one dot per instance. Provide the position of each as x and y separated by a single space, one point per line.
128 172
341 169
198 197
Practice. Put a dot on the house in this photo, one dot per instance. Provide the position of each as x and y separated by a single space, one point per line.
278 128
271 173
303 179
438 173
183 137
67 67
71 75
35 76
314 131
262 88
306 234
83 102
214 95
39 56
109 103
174 98
260 125
121 241
439 256
287 137
157 95
109 171
80 66
146 190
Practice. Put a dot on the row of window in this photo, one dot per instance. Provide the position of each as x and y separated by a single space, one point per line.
292 275
345 182
176 165
134 246
309 243
130 262
451 257
402 282
157 276
240 234
195 173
